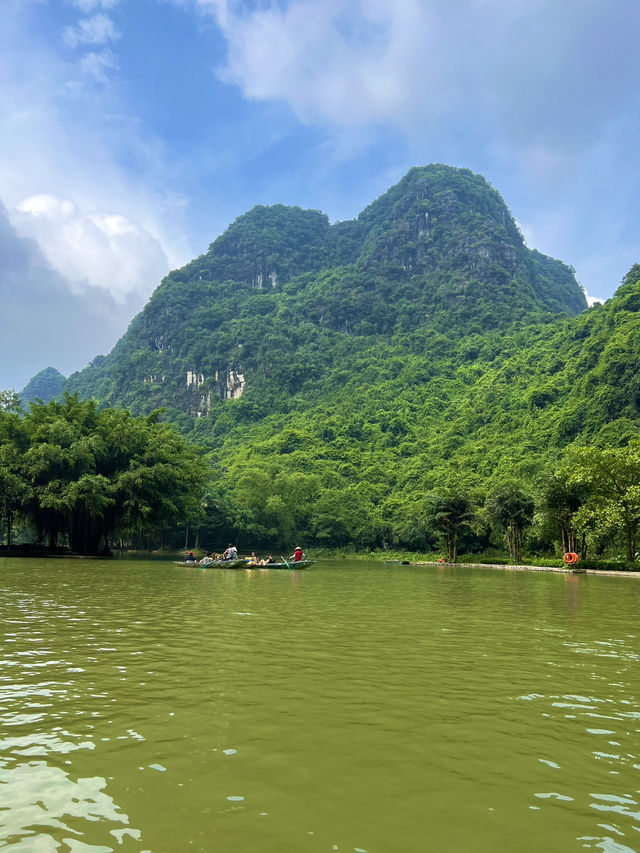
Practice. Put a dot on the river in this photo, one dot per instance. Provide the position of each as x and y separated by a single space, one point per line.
355 706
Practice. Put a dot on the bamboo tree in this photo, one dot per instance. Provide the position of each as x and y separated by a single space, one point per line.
510 508
560 497
447 513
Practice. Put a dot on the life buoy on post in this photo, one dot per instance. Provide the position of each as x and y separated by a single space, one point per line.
571 558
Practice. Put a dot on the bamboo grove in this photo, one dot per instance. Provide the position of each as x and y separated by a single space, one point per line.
76 475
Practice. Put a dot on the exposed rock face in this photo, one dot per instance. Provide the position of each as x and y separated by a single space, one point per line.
226 384
229 384
194 378
235 384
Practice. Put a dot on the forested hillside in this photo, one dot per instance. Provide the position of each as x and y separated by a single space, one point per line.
339 374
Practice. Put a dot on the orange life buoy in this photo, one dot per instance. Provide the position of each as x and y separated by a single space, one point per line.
570 558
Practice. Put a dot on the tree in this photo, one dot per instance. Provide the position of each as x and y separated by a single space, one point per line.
510 508
560 498
9 401
339 517
14 491
447 513
613 475
154 475
398 522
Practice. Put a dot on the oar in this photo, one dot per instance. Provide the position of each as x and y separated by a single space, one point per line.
284 561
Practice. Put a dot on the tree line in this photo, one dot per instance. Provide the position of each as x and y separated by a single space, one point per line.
588 503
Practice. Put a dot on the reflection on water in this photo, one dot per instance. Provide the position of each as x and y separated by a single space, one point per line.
572 591
46 807
356 707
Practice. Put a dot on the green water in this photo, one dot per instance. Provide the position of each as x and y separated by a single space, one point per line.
352 707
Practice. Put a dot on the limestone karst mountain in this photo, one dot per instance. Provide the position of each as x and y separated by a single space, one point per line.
337 374
283 295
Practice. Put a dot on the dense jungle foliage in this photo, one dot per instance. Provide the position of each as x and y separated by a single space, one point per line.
79 477
411 379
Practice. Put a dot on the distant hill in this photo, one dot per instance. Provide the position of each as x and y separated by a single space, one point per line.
45 385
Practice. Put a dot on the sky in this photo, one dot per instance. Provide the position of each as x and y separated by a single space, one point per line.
133 132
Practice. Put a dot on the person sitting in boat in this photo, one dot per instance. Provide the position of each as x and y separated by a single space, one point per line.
190 558
297 555
231 553
266 561
254 560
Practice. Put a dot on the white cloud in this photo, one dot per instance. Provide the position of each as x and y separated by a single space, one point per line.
87 6
63 177
346 64
98 64
410 62
63 329
98 29
520 76
507 89
92 249
593 300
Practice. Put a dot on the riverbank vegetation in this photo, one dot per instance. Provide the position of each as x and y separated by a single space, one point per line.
74 475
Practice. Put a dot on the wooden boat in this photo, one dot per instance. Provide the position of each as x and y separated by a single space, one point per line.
240 563
215 564
292 566
245 563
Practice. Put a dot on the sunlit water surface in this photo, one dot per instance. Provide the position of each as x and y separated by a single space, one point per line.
352 707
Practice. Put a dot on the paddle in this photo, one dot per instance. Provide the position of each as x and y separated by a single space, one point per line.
284 561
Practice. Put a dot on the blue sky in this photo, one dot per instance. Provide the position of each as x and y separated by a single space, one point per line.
132 132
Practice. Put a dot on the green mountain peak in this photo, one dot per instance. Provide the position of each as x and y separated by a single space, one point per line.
46 385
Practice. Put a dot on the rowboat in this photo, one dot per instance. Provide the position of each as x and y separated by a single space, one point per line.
293 566
215 564
245 563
